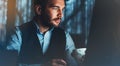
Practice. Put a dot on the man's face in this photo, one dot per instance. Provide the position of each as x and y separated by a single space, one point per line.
53 12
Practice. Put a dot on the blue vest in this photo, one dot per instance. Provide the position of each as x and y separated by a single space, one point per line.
31 51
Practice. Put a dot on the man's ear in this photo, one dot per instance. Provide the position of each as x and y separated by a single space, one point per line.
38 9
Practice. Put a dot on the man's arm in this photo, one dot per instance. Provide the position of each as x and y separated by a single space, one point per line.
12 47
55 62
14 40
70 46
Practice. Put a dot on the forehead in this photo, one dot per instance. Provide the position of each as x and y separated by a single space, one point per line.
56 2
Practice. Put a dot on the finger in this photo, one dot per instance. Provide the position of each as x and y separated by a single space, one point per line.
61 61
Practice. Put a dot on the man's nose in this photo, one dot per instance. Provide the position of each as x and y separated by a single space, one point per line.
60 13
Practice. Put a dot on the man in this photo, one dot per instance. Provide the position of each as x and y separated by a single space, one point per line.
41 42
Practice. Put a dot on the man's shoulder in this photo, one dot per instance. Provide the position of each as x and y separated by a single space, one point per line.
59 31
26 24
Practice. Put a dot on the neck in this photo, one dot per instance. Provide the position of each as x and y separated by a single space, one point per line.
43 29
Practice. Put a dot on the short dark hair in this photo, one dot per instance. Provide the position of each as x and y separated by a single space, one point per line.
42 3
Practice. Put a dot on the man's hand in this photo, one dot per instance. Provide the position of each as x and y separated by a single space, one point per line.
56 62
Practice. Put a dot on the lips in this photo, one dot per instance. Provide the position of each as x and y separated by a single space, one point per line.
58 21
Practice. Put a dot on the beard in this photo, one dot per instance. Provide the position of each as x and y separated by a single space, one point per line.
47 21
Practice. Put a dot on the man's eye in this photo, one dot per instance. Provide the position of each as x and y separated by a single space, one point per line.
55 8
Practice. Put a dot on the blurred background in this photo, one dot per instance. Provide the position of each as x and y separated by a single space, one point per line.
76 20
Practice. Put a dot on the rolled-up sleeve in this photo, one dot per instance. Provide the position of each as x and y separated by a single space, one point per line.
14 40
70 46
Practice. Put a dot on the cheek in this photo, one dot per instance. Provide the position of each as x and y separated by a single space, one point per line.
53 14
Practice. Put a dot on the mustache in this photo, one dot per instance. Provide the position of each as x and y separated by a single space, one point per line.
57 19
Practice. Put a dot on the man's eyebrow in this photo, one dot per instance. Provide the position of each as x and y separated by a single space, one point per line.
52 5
